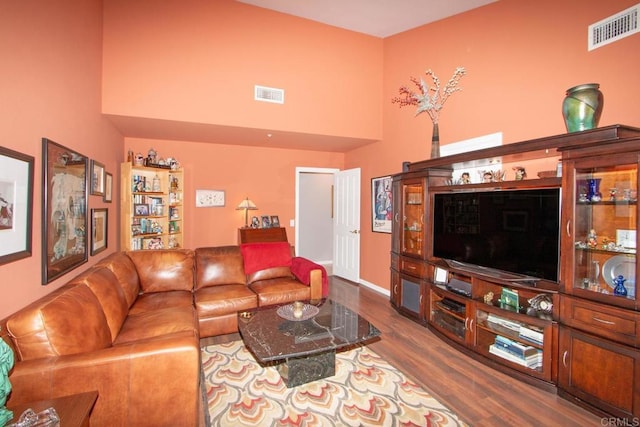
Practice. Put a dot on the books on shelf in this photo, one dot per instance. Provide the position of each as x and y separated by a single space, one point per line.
517 353
531 334
513 326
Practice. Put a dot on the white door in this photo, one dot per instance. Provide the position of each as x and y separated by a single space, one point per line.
346 225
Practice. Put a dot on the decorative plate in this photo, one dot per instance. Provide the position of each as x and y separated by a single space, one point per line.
308 311
624 265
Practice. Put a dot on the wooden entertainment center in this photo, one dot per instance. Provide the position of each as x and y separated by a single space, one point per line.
577 334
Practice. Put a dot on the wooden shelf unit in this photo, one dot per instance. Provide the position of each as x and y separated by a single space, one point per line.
151 208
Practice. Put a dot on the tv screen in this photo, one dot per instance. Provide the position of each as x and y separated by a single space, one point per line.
515 231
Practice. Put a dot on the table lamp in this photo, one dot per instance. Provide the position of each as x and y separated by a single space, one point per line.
247 205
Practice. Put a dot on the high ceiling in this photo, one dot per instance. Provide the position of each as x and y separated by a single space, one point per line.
380 18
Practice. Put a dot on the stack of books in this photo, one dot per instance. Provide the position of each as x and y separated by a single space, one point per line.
516 352
530 334
496 320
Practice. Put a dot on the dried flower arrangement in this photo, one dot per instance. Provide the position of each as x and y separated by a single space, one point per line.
431 103
425 101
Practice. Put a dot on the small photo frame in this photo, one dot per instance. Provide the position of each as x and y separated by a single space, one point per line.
97 178
108 188
266 221
141 210
275 221
255 222
99 227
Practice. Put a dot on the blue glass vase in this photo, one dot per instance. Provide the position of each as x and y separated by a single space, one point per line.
593 192
619 286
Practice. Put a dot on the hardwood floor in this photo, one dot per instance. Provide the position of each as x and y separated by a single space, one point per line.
478 394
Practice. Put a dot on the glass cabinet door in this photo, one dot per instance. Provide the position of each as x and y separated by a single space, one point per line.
604 225
413 208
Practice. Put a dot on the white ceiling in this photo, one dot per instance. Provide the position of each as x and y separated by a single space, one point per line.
380 18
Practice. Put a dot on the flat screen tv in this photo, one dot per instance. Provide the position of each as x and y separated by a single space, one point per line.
513 231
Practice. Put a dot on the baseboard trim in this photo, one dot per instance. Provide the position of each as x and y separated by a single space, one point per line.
374 287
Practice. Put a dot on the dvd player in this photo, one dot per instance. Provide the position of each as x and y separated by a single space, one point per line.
459 287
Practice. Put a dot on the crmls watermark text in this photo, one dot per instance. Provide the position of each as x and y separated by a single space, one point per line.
620 422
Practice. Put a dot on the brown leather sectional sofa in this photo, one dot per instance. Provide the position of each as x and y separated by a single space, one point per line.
129 327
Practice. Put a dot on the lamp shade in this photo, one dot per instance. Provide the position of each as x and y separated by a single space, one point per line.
247 204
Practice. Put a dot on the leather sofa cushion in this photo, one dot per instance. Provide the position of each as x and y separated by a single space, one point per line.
222 265
67 321
280 291
104 284
156 324
125 271
164 270
224 299
162 300
270 273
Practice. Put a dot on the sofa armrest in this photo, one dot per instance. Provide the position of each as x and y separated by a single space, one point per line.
133 381
312 274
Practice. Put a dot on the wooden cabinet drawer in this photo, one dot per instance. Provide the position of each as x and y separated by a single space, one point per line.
613 323
412 267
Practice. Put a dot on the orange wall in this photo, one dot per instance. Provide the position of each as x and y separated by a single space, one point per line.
198 61
520 56
50 87
265 175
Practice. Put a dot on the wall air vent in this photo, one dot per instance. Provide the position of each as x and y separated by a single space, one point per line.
614 28
269 94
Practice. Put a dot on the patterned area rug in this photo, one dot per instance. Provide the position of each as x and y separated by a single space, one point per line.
366 391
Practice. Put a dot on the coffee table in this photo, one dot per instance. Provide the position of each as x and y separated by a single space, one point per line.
303 350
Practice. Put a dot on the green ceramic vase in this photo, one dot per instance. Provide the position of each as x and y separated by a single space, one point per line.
582 107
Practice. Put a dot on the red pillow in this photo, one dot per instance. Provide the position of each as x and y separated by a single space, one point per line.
260 256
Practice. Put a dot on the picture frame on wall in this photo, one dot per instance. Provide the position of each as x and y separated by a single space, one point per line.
108 188
381 204
99 230
97 178
16 205
64 210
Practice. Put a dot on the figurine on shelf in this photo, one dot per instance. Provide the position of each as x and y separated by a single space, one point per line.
619 288
521 173
487 177
612 194
592 239
465 178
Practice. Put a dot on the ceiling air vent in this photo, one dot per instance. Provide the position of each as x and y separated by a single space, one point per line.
614 28
269 94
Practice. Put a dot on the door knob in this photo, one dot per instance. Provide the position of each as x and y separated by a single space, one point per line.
355 231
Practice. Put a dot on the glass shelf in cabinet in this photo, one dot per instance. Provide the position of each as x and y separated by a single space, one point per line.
582 246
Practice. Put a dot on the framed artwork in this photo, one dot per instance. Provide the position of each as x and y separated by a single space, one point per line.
97 178
255 222
99 229
16 205
108 187
64 210
141 210
209 198
382 204
275 221
266 221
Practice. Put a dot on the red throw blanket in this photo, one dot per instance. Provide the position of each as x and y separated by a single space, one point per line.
260 256
302 267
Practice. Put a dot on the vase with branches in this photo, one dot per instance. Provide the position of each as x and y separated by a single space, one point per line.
430 99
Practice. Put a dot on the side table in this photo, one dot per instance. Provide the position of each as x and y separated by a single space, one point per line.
73 410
